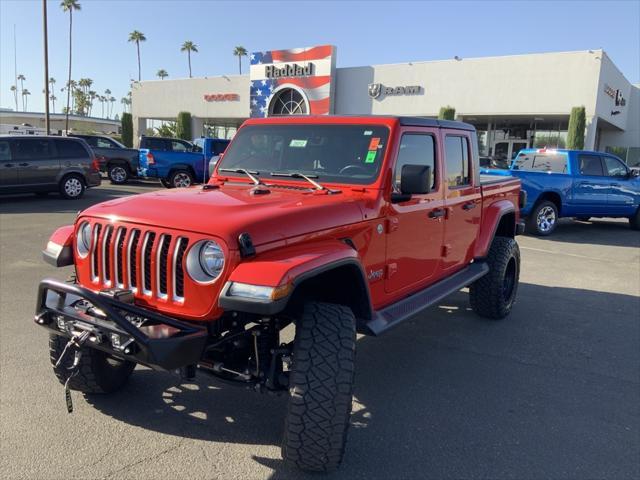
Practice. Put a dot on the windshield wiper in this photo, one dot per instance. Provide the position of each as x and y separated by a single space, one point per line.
248 173
308 178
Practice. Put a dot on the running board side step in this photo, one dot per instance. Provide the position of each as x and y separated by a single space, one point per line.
406 308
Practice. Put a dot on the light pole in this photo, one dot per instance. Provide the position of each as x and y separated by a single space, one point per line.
46 67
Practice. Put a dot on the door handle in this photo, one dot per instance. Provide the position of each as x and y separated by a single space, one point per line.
469 206
8 165
23 164
437 213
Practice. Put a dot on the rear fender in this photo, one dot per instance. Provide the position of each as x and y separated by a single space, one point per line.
59 251
498 219
325 271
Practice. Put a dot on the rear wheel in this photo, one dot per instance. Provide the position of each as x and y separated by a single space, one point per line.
99 372
72 187
118 174
493 295
543 219
181 179
320 388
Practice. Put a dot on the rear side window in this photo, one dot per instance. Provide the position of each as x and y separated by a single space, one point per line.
156 144
219 147
70 149
32 149
415 149
179 146
541 162
457 160
5 151
590 165
90 140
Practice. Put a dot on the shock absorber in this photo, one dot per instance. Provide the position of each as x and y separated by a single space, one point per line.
265 340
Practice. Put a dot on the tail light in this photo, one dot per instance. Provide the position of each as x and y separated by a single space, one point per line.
95 164
150 159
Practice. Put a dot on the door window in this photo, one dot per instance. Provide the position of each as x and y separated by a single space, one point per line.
92 141
70 149
32 149
416 149
5 151
457 161
614 167
104 143
219 147
179 146
590 165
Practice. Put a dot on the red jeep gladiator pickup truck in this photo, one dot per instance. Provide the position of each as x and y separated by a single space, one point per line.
334 225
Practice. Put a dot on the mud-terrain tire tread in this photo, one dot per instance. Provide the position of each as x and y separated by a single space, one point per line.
485 294
95 374
320 388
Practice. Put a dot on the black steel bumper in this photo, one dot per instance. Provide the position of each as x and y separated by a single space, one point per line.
119 328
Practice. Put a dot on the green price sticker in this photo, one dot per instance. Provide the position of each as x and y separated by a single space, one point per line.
371 156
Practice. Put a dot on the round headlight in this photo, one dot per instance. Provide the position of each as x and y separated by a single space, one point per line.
83 239
205 261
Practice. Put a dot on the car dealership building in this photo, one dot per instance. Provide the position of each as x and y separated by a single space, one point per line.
514 101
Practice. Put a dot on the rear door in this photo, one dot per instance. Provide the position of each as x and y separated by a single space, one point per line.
623 188
8 166
415 228
463 201
590 185
37 163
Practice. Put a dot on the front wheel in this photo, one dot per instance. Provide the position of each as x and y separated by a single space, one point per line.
320 388
543 219
118 174
98 372
72 187
181 179
493 295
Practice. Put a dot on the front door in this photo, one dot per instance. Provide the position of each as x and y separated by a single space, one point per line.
463 201
415 228
37 162
8 167
622 193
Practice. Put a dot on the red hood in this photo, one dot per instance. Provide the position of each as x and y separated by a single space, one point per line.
231 210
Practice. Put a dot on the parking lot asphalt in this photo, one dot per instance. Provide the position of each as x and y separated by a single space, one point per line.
553 391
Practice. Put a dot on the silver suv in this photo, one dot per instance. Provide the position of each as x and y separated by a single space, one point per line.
43 164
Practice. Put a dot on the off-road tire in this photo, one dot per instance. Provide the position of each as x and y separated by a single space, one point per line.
98 373
72 186
118 174
534 226
493 295
634 220
180 178
320 388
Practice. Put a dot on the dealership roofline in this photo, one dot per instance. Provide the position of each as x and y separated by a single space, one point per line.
13 113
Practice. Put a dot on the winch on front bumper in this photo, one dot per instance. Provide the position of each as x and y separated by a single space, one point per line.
117 326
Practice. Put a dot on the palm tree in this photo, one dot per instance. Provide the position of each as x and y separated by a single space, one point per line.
137 37
14 89
22 78
52 82
53 99
112 100
162 73
92 96
189 47
240 52
25 93
125 103
69 6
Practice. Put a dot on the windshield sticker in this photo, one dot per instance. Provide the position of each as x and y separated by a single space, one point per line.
297 143
368 133
371 156
373 144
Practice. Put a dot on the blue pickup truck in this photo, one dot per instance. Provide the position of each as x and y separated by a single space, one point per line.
574 183
178 163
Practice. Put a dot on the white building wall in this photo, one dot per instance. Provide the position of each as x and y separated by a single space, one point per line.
630 136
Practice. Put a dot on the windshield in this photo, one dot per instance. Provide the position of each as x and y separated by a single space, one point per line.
328 153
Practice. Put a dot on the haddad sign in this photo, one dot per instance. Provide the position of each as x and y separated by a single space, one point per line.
221 97
377 90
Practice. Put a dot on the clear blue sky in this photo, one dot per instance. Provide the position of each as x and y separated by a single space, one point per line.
365 33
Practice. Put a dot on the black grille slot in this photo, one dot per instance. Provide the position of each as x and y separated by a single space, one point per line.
164 252
151 236
96 250
133 257
107 254
179 271
122 233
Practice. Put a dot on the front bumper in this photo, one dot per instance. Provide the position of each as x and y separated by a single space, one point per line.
143 336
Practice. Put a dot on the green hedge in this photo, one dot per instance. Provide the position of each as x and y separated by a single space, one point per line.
575 133
127 130
447 113
183 126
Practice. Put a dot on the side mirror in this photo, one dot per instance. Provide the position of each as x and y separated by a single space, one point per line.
414 180
634 172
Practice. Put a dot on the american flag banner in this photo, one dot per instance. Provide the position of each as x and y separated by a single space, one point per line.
295 81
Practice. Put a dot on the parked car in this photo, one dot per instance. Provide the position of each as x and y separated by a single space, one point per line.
43 164
181 168
117 161
334 225
574 183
